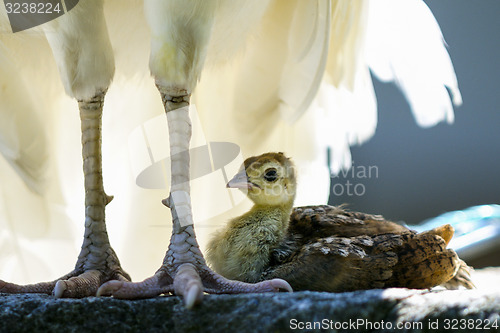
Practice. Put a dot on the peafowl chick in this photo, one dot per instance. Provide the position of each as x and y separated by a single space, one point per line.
269 181
325 248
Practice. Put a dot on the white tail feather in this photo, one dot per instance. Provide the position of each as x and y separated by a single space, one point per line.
304 66
22 134
405 45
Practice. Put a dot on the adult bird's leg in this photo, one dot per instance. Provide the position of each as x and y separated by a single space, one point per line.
184 270
97 262
81 47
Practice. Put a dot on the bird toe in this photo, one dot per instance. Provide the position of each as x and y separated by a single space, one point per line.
109 288
59 289
280 285
193 296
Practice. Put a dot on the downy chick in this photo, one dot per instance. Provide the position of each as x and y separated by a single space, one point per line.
242 249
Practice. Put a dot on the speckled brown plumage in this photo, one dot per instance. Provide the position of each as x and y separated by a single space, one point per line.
330 249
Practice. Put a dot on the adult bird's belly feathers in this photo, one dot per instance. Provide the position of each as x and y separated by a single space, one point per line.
325 248
256 93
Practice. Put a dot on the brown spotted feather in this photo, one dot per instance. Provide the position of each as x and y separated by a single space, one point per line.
330 249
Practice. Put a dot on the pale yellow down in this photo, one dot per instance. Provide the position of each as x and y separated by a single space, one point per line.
241 249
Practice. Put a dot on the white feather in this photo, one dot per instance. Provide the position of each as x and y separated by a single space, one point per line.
80 43
305 62
22 134
405 45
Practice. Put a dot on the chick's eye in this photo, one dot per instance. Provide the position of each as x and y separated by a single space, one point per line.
271 175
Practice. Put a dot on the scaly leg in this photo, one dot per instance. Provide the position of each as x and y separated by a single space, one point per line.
184 270
97 262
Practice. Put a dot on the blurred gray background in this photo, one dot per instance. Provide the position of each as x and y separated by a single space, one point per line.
426 172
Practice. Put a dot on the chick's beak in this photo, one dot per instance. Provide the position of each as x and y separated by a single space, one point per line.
240 180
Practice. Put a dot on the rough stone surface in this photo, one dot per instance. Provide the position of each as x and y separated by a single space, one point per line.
371 310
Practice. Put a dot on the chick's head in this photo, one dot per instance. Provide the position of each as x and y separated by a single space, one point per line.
267 179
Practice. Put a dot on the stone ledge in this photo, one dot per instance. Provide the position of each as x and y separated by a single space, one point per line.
249 313
382 309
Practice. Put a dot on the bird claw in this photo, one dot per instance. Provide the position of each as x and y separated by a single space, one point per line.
60 288
193 296
109 288
188 283
278 285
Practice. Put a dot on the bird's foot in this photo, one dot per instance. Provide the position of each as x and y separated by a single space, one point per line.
185 273
83 281
190 281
